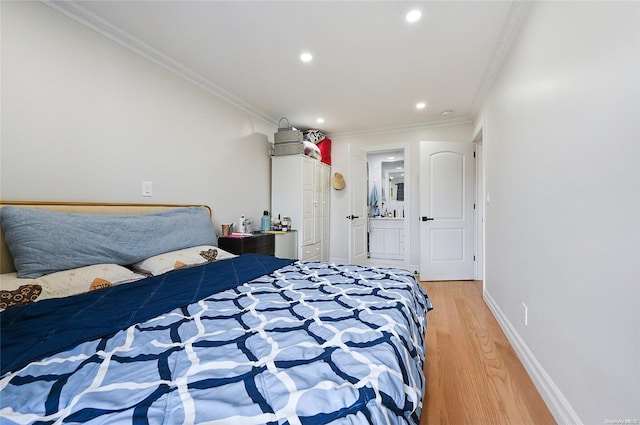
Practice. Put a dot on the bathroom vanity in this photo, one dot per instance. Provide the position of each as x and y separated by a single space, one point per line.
386 238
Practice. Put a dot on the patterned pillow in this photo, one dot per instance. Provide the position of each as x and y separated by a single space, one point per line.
18 291
174 260
25 294
313 136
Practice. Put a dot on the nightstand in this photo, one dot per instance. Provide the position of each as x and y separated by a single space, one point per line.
287 245
259 243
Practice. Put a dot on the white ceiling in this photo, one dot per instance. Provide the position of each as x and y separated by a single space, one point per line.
370 67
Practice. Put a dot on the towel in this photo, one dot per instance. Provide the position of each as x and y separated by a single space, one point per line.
373 199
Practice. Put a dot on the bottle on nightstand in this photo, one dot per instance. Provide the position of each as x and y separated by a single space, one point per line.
265 223
241 227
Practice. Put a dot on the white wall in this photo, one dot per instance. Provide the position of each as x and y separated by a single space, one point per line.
86 119
409 140
562 152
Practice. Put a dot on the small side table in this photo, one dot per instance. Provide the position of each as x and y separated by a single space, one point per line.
287 245
259 243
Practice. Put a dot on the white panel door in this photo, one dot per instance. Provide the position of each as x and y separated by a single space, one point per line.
326 194
447 176
308 205
357 186
317 203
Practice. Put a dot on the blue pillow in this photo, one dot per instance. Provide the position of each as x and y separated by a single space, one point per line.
43 242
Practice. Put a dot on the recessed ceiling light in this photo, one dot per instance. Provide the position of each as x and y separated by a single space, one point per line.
306 57
421 105
447 112
320 120
413 15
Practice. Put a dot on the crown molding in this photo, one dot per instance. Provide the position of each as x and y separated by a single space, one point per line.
112 32
389 130
517 15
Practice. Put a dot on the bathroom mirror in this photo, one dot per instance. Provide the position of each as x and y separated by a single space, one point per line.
393 180
394 184
385 176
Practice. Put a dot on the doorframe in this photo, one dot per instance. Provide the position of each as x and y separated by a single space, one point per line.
478 139
468 265
353 153
406 148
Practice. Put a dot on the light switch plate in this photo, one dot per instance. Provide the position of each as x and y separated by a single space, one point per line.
147 189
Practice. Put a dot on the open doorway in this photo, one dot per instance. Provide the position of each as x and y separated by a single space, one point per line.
388 199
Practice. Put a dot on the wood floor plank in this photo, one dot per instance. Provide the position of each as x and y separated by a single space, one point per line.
473 374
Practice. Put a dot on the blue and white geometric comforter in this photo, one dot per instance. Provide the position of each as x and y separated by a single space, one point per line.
311 343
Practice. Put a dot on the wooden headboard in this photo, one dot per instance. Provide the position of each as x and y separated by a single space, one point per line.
6 261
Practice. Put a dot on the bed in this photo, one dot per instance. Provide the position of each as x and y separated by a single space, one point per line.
181 332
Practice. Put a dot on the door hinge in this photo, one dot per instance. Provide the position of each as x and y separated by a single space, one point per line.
474 258
474 206
474 154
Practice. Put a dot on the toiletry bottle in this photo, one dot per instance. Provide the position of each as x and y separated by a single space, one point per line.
241 224
265 222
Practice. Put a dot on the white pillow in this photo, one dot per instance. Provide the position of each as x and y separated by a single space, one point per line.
18 291
181 258
310 149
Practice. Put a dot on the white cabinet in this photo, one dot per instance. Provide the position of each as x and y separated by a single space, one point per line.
300 189
286 244
386 238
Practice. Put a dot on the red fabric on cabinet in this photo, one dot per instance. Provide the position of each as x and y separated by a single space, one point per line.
325 150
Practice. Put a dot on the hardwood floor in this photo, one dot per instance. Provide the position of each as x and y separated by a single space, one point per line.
473 374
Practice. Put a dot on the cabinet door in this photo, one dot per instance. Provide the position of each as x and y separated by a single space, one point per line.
386 239
286 245
376 241
311 252
317 202
391 241
308 215
326 195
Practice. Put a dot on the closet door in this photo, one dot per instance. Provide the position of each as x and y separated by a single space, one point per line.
326 196
308 207
317 202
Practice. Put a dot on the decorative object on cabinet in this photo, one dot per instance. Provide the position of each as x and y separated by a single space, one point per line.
314 136
291 141
301 190
310 149
338 181
325 150
287 140
322 142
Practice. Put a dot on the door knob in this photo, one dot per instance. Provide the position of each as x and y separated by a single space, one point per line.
424 218
351 217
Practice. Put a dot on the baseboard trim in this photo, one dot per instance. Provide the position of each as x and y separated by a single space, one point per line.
551 394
